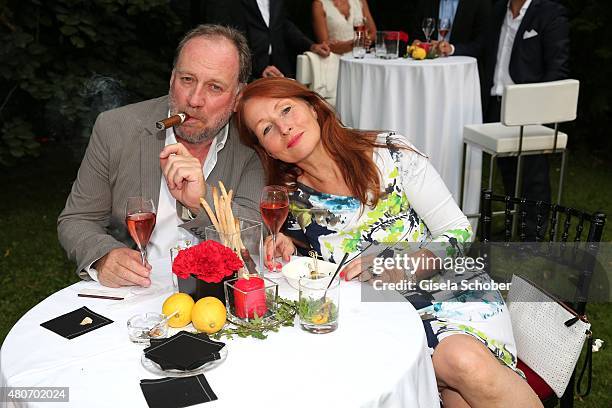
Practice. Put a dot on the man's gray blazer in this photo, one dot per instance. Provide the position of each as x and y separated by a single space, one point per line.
122 160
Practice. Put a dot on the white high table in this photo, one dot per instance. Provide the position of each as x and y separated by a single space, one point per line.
427 101
377 357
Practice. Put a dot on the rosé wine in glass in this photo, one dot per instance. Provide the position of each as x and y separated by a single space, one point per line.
140 219
274 206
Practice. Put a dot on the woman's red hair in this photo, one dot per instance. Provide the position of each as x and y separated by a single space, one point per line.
350 149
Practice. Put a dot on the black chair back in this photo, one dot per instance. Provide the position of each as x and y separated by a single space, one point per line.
548 217
553 224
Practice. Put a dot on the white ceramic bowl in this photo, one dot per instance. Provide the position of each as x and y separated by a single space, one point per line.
300 266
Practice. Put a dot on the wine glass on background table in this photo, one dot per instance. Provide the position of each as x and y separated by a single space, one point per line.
140 219
274 206
359 24
444 26
428 26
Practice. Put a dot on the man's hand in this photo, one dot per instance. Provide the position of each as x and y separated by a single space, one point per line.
271 71
444 48
122 267
321 49
183 174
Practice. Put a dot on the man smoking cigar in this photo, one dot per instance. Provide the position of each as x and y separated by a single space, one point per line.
129 156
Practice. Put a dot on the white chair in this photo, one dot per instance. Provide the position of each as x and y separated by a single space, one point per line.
525 107
303 72
319 74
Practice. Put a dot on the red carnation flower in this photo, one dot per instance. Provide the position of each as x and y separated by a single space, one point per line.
209 261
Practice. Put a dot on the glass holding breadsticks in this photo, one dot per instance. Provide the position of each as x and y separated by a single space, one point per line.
243 236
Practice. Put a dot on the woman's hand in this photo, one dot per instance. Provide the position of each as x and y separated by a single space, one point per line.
284 248
359 268
341 47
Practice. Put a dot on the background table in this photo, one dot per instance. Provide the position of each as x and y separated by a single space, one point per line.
427 101
378 357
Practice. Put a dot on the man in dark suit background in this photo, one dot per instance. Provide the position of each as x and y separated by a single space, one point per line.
469 22
526 41
273 39
529 43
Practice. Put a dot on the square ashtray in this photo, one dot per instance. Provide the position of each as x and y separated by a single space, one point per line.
139 326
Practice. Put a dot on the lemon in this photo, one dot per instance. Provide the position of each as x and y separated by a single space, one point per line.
181 302
419 53
208 315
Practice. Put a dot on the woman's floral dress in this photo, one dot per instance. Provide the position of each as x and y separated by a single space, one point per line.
417 208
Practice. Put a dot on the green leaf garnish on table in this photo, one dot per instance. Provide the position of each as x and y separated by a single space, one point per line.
259 328
317 311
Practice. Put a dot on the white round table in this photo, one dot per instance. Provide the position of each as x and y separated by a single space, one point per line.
377 357
427 101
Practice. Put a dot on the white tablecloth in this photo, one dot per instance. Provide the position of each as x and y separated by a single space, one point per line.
377 357
427 101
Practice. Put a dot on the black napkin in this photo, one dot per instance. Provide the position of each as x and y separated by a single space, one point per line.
183 351
69 325
171 392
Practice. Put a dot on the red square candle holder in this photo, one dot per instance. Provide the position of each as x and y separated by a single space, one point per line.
247 299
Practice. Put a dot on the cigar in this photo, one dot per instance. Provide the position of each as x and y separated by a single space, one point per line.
171 121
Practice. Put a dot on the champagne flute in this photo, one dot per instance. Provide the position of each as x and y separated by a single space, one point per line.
444 27
428 26
140 219
274 206
359 24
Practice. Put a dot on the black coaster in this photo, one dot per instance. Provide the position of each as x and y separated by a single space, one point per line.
175 392
184 351
69 325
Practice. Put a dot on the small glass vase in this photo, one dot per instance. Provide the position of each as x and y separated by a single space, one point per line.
247 243
248 299
187 285
318 304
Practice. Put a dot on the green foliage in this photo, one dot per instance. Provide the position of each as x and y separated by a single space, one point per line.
17 141
259 328
317 311
52 51
590 62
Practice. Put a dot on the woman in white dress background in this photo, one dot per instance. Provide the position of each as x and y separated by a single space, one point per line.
333 22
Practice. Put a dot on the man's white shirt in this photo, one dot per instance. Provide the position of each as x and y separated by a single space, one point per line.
264 9
507 35
167 231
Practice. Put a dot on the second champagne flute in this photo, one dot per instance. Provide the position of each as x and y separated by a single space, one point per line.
274 206
428 26
444 26
140 219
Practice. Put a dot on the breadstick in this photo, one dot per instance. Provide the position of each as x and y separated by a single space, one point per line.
232 222
215 194
210 213
239 238
221 216
223 190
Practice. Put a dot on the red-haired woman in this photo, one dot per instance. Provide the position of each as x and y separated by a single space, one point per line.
350 188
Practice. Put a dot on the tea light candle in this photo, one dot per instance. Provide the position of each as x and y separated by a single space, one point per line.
250 297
